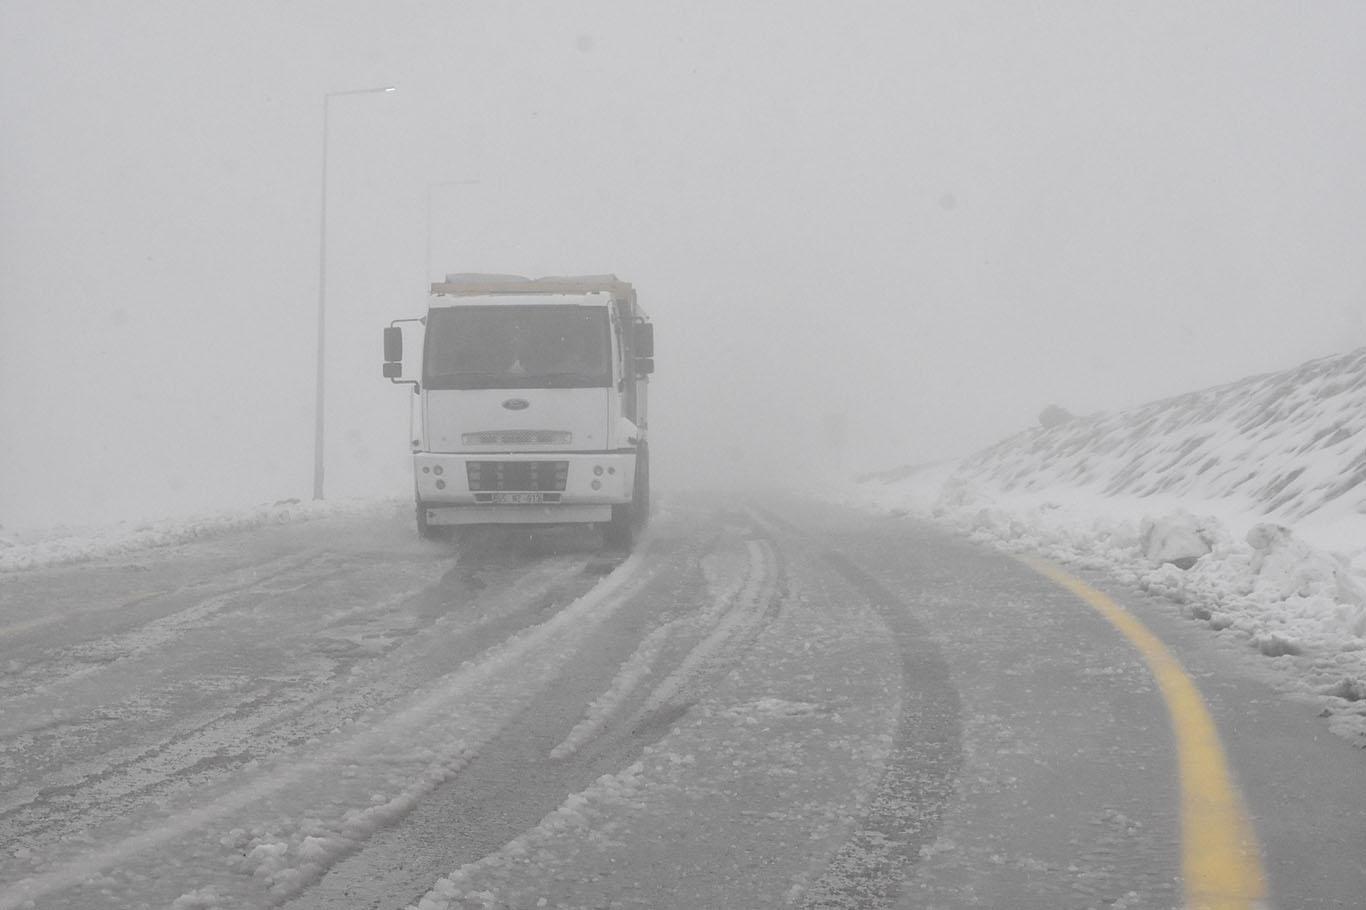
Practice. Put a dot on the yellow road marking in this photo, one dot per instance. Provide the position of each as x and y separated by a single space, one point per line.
1220 859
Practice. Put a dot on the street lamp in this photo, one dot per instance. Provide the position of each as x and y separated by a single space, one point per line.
322 290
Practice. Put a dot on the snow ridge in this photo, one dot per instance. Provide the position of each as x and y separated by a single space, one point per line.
1244 505
1286 444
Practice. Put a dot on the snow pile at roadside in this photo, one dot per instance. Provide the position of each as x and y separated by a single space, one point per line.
1244 504
64 545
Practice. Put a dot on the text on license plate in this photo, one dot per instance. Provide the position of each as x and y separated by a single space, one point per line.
519 499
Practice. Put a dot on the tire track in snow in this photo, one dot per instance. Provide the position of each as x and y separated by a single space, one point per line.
907 808
756 600
909 804
599 714
415 748
730 622
507 788
194 755
236 579
76 664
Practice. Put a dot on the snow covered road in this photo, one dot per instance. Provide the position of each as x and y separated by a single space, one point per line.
769 704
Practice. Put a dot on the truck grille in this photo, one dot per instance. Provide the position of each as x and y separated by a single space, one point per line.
493 476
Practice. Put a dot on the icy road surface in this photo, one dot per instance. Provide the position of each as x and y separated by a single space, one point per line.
769 704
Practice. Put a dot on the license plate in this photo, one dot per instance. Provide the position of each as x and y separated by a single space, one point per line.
518 499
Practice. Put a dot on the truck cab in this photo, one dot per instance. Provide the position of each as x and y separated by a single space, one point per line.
531 403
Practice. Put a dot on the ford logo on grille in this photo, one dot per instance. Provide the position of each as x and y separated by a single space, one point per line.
516 404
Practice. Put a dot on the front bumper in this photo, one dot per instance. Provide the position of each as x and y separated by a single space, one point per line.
539 488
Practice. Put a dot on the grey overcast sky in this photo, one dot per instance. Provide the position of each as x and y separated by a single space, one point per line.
929 220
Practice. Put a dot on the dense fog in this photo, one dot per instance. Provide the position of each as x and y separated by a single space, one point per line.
868 234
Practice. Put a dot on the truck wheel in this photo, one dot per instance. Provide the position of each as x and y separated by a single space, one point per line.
430 532
620 531
641 505
628 519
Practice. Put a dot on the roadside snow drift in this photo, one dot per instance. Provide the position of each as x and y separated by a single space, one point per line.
64 545
1244 504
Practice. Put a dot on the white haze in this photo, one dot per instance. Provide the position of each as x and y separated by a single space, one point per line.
924 222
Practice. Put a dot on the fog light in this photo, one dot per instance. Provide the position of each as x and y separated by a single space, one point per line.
597 469
597 484
441 484
611 470
426 470
438 470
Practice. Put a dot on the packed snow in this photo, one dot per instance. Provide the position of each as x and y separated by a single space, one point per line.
31 548
287 820
1243 505
264 834
738 739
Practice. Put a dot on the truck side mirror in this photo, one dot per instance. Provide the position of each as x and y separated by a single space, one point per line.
645 366
645 339
393 370
393 346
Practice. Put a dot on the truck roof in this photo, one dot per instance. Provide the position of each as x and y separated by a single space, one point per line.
466 284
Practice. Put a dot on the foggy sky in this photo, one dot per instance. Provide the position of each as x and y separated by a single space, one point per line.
928 220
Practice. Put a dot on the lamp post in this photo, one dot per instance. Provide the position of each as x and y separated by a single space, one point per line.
322 290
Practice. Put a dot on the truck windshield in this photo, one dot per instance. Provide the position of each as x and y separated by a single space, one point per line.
517 347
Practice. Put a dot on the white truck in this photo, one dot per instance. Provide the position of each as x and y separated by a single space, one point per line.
531 403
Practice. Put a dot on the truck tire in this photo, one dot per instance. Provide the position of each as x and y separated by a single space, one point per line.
619 533
628 519
642 488
430 532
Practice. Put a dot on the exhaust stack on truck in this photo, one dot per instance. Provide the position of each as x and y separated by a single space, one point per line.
531 403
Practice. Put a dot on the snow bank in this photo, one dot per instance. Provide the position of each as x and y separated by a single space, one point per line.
64 545
1243 505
